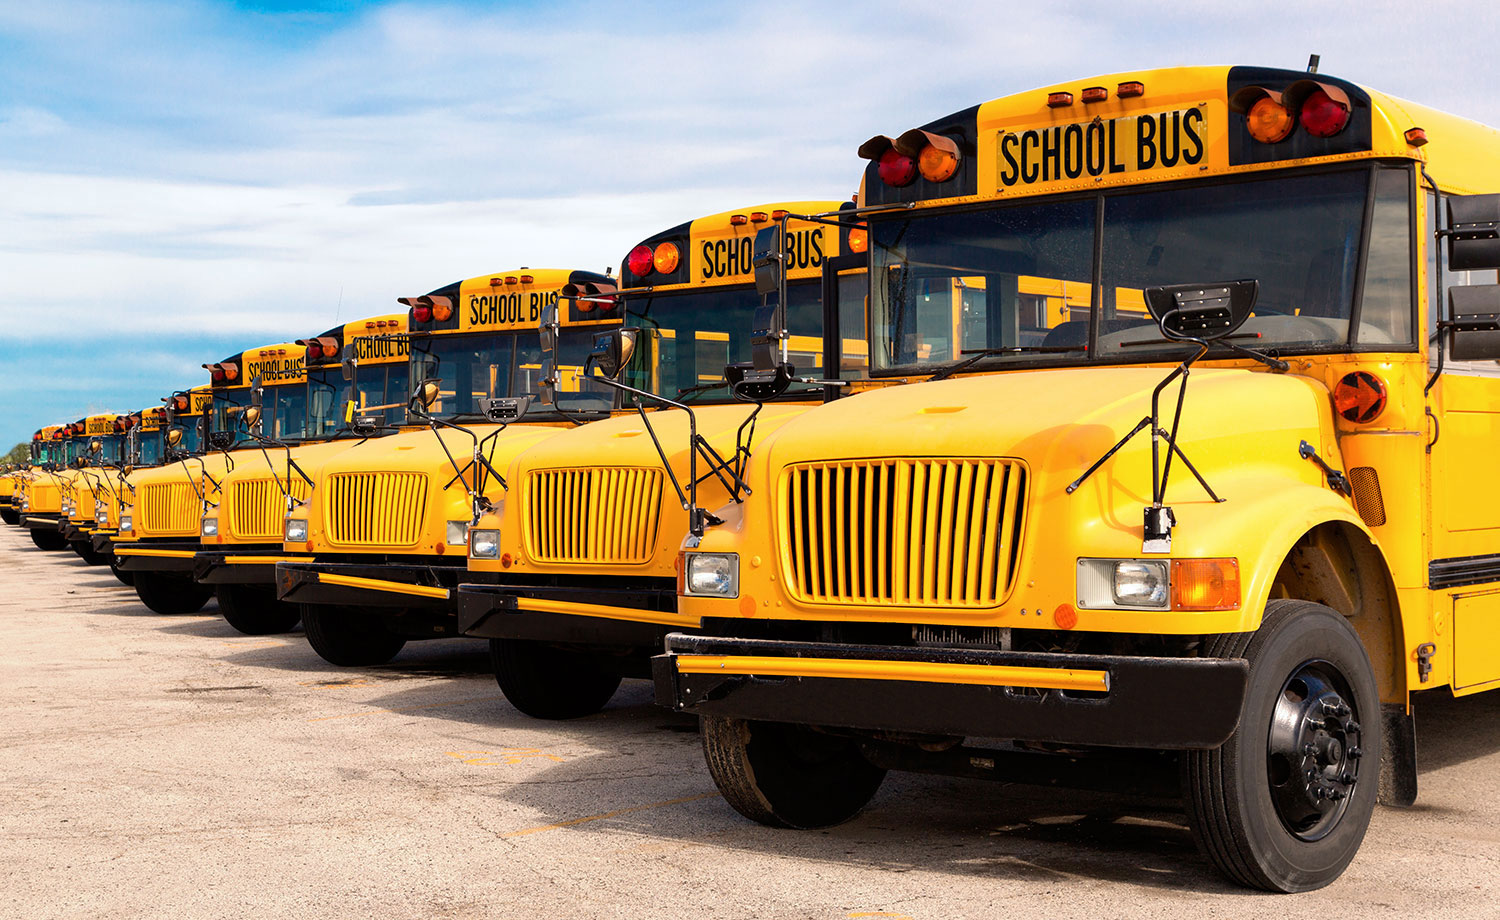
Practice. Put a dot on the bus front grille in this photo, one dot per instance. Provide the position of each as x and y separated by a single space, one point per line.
907 533
375 509
258 508
169 509
595 515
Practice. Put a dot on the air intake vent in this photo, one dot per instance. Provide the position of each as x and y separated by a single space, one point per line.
1367 499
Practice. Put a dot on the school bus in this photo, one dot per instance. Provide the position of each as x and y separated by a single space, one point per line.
267 386
573 579
241 536
1240 528
106 436
389 527
13 489
43 496
144 447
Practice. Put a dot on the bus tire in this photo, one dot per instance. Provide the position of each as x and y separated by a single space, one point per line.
48 539
87 553
547 682
255 611
10 516
167 594
1284 804
347 639
125 578
788 775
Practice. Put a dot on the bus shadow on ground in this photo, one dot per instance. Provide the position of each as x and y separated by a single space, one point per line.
460 659
1453 730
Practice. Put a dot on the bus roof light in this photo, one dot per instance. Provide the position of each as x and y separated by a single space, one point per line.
896 169
1416 137
1059 100
779 214
512 279
1130 89
496 282
421 313
641 257
1269 121
738 220
666 257
1322 113
936 155
1094 94
442 308
759 217
859 239
527 279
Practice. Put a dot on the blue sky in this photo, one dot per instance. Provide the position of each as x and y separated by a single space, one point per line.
181 180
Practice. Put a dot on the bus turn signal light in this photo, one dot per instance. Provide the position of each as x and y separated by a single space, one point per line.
641 258
1205 584
859 239
665 258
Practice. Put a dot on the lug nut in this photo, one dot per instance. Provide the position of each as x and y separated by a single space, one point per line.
1355 752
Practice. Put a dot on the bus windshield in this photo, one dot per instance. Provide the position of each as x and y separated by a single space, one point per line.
327 391
1022 277
383 385
109 449
149 449
225 415
689 337
469 368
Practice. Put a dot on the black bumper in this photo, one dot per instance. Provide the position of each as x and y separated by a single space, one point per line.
501 612
180 562
103 542
211 568
301 583
76 534
1162 703
42 521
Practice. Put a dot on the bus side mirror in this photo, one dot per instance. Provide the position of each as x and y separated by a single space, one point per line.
1473 232
348 362
96 446
1201 312
256 392
174 436
767 258
1474 322
547 386
612 352
251 416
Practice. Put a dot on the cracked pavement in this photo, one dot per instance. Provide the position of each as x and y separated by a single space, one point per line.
170 767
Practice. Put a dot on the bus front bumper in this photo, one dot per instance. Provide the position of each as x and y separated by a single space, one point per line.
621 617
240 565
103 540
175 557
78 533
1105 700
368 583
44 520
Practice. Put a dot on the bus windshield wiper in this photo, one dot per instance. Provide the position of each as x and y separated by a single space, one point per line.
977 355
702 388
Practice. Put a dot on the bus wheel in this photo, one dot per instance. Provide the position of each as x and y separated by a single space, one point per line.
87 554
788 775
47 539
547 682
171 594
10 516
347 638
255 611
125 578
1283 805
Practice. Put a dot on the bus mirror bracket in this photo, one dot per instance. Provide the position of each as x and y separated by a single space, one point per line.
506 410
1473 232
1195 314
348 362
547 332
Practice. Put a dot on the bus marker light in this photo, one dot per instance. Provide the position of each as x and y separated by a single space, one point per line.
1322 115
1094 94
895 169
779 215
859 239
1359 397
738 220
512 279
1416 137
1059 100
496 282
666 257
1269 121
1205 584
527 279
1130 89
1065 616
759 217
640 259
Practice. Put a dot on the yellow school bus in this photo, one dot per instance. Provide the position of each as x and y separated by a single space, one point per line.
241 536
40 506
97 479
573 580
390 519
1237 528
266 386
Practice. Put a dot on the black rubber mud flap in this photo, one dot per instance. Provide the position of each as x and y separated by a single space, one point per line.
1398 757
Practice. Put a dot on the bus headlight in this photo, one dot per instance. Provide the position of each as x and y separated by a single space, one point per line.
126 523
296 530
101 518
1113 584
210 527
484 544
458 533
711 574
